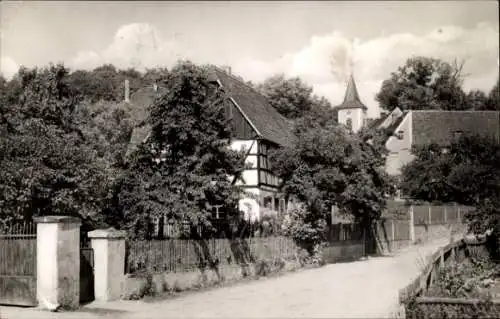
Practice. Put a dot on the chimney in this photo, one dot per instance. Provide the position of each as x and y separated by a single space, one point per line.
127 91
227 69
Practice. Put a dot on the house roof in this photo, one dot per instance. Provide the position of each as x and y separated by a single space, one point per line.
139 103
269 124
351 98
394 125
440 126
374 123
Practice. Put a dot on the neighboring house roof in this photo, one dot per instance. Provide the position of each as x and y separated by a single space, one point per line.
375 123
141 100
391 117
139 103
394 125
269 124
440 126
351 98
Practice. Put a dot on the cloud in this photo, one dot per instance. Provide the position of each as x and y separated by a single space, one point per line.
8 67
324 62
138 45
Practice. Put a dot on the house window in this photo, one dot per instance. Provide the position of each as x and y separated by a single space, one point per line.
400 135
348 123
263 149
282 206
393 117
457 134
263 162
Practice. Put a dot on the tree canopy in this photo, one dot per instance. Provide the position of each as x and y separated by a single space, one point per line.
47 164
328 166
493 102
186 166
293 99
467 172
424 83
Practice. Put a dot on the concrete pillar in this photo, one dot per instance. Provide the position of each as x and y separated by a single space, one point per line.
412 225
58 262
392 230
430 218
109 263
127 91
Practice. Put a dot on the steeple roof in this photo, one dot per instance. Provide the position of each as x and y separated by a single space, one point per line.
351 98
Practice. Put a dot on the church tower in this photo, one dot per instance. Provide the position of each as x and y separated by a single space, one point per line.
352 112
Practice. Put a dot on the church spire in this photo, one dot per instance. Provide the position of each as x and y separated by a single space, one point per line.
351 93
351 98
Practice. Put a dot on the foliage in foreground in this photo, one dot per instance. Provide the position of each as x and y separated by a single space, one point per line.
471 279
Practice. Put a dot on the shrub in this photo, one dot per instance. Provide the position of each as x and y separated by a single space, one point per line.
306 231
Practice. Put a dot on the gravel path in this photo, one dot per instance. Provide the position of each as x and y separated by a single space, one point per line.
362 289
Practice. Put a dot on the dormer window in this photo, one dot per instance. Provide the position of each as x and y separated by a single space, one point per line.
400 135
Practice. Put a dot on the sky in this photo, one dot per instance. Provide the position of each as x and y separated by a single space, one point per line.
321 42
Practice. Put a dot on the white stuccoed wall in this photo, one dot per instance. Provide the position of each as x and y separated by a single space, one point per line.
357 117
400 149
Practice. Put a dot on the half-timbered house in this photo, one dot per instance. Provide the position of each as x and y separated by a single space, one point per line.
257 128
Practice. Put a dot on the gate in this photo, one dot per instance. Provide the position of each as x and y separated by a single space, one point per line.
18 265
86 274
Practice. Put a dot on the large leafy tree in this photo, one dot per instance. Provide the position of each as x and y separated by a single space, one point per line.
186 165
493 102
424 83
10 91
155 76
47 165
328 166
466 172
104 83
293 99
477 100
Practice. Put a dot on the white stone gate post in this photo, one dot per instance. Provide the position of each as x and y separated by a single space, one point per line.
58 262
109 263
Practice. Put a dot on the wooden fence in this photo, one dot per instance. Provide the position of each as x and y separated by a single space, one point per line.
178 255
419 306
439 214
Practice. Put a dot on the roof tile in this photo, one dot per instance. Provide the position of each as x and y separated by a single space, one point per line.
440 126
269 123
